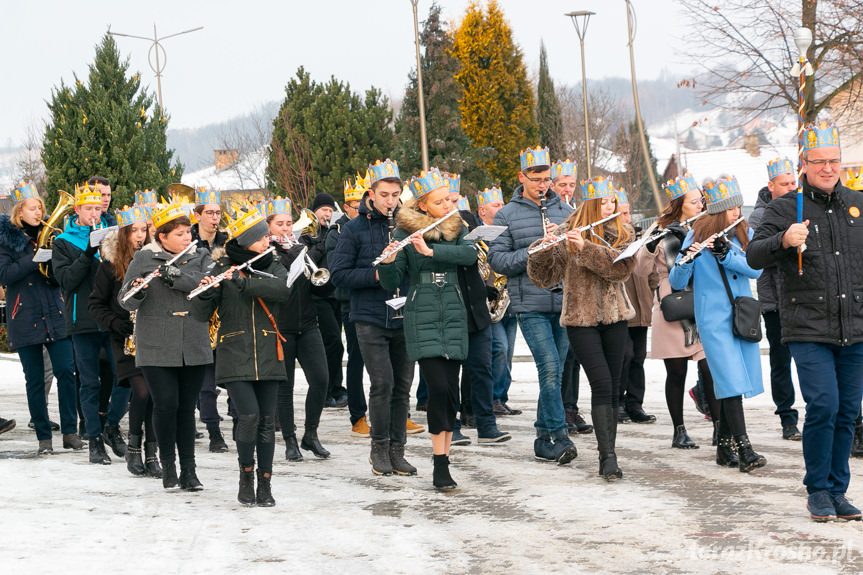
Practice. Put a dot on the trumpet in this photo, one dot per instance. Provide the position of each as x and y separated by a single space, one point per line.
318 276
406 242
129 294
222 276
692 255
558 237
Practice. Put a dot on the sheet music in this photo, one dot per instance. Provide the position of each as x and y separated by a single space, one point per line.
97 236
297 267
397 302
42 255
485 233
632 248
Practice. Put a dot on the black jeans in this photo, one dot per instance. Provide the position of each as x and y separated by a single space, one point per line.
478 367
255 402
354 372
330 324
308 348
781 385
569 381
391 374
175 391
141 408
32 361
632 374
600 351
441 376
208 397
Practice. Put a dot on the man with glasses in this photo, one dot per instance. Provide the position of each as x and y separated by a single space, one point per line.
538 310
821 310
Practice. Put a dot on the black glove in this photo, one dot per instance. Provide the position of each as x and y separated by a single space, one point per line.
652 244
677 230
239 281
124 327
169 273
720 247
491 293
91 250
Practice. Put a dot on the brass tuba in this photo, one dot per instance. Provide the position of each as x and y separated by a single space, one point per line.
307 224
46 235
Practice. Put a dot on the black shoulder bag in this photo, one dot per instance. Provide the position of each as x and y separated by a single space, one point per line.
745 310
679 305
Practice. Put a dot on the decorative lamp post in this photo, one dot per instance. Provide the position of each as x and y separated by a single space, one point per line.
423 139
580 20
801 69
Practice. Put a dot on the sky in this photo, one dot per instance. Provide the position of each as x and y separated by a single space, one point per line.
247 51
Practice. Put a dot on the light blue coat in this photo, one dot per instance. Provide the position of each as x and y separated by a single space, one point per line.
734 362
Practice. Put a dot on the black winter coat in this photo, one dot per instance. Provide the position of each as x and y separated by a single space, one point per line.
825 304
318 254
218 242
332 241
75 270
475 290
298 313
768 281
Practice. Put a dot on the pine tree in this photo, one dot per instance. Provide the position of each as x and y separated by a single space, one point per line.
636 180
110 127
548 113
497 106
449 147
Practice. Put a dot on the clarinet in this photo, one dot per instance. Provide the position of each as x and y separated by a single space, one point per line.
391 225
543 208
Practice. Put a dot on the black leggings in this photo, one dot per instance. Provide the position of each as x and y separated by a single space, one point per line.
308 348
141 408
175 392
441 376
599 350
731 420
255 402
675 384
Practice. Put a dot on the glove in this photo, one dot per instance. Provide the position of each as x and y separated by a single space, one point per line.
720 247
652 245
239 281
91 250
491 293
677 230
124 327
169 273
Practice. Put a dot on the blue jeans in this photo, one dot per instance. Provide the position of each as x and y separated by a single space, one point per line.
32 361
781 385
87 346
354 371
478 365
548 344
502 350
422 391
831 382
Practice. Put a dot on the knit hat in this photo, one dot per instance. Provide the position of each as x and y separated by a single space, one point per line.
323 199
723 194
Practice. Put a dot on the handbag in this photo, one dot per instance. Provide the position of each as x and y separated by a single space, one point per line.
678 305
746 313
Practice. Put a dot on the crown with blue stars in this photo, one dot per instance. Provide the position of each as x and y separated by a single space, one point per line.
679 186
87 196
278 205
621 197
463 204
564 168
26 190
207 196
489 195
453 180
597 187
145 197
128 216
778 167
426 182
534 157
723 194
820 136
380 170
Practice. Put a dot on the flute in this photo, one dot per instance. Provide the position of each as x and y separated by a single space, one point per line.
692 255
559 238
222 276
406 242
687 225
152 274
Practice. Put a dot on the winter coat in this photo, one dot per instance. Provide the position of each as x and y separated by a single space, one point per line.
107 311
75 272
474 289
825 304
34 306
108 218
735 363
508 252
318 253
593 292
218 242
435 321
361 241
330 244
298 313
768 283
166 334
640 290
247 341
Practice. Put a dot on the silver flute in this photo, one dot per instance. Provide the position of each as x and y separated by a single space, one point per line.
406 242
152 275
692 255
687 225
561 237
222 276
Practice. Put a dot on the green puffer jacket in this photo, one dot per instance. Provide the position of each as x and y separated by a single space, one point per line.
247 342
435 321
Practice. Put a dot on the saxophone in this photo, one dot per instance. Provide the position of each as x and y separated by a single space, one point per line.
497 306
129 344
215 324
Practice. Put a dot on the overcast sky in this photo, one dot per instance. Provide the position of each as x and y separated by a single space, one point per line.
249 49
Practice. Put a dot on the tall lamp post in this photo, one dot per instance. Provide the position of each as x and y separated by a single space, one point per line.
580 20
423 140
801 69
154 51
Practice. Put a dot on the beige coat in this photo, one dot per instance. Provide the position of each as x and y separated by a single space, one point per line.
640 291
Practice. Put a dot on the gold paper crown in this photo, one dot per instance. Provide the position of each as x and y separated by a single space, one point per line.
855 182
244 222
165 212
353 194
87 196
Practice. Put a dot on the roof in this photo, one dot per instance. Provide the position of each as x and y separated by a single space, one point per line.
249 173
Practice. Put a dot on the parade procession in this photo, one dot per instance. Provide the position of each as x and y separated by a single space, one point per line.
508 351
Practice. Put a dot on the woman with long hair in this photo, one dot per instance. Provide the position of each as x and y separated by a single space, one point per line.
734 362
34 318
595 305
117 251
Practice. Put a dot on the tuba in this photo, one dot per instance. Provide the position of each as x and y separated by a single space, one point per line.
307 224
46 235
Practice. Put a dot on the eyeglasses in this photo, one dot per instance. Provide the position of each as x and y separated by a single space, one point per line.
537 180
831 163
211 213
697 201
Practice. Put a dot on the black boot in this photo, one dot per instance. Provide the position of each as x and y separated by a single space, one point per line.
857 445
749 460
217 442
111 436
681 439
292 450
169 475
151 461
98 453
605 428
725 455
310 442
246 494
264 497
441 479
189 480
134 463
715 442
398 461
380 457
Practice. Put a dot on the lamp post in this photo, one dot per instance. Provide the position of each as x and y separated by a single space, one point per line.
801 69
423 140
580 20
154 51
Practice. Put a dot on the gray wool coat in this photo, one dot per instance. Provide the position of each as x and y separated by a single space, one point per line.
167 335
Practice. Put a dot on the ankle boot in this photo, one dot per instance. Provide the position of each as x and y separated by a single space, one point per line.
151 461
715 442
264 496
749 460
398 461
380 457
725 455
441 479
134 463
189 480
605 429
112 437
681 439
217 442
169 475
310 442
246 494
72 441
292 449
98 453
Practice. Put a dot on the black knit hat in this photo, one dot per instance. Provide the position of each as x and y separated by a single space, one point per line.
323 199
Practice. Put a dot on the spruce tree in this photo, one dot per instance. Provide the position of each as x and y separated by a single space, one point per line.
107 126
548 113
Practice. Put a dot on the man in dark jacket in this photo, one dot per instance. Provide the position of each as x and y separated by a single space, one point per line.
103 185
782 180
380 334
822 312
533 212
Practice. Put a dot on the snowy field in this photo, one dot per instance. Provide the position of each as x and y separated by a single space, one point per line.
673 512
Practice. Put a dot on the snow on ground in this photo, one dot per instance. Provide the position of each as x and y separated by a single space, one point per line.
673 511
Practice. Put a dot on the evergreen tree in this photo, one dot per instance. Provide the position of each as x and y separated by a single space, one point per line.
497 107
449 147
548 113
636 180
108 127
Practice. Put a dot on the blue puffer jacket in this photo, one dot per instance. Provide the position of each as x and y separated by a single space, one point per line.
361 241
508 252
34 308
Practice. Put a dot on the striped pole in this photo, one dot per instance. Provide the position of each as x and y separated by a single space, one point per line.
801 99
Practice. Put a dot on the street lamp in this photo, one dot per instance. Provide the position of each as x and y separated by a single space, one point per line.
580 20
423 140
154 50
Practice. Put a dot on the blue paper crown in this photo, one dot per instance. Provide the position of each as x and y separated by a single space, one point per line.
598 187
207 196
23 191
453 180
621 197
724 187
146 197
679 186
463 204
426 182
275 206
380 170
489 195
534 157
564 168
820 136
128 216
778 167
